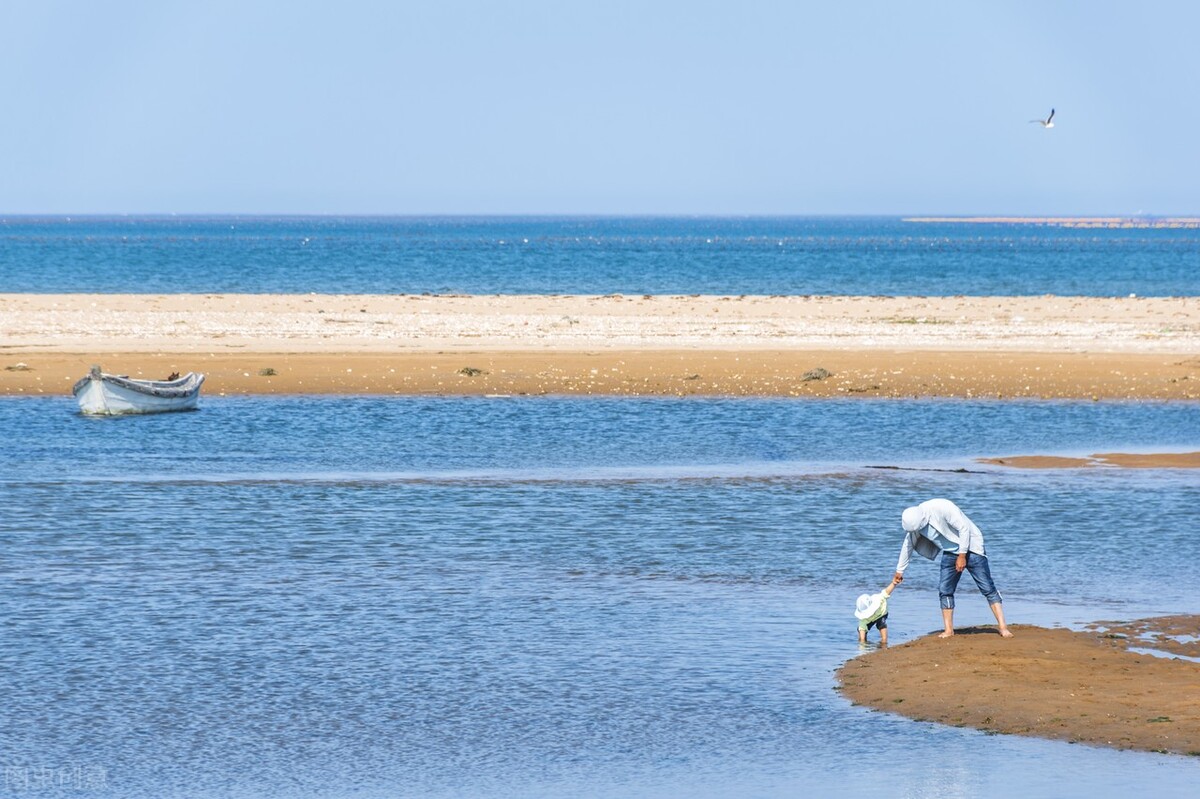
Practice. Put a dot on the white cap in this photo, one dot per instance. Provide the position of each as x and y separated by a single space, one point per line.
913 519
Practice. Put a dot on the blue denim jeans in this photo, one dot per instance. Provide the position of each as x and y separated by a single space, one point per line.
977 565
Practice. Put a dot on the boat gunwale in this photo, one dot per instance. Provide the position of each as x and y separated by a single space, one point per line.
181 388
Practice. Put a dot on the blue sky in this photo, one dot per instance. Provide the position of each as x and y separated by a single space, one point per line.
599 107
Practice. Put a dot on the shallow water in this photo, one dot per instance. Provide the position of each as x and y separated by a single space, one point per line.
327 597
587 255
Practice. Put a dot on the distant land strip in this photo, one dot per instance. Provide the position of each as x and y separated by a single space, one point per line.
971 347
1131 222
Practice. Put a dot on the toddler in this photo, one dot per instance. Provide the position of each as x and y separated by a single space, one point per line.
871 611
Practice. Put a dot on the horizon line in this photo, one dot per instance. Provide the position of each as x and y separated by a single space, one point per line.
906 216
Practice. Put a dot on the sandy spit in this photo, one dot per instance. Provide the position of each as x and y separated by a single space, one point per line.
1083 687
1124 460
624 345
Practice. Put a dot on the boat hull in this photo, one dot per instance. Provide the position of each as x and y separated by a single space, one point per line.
107 395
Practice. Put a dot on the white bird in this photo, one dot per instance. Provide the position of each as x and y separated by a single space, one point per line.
1048 122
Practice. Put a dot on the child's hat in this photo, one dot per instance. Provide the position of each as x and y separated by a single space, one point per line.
867 605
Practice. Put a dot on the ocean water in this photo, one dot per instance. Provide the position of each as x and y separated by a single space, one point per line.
528 255
392 597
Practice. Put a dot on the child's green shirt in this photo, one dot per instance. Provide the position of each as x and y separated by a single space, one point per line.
864 623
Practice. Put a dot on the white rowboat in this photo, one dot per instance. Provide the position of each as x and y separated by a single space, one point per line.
100 393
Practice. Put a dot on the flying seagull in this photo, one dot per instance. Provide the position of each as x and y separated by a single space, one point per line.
1048 122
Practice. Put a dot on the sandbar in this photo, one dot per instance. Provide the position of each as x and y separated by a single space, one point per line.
1084 687
987 347
1122 222
1123 460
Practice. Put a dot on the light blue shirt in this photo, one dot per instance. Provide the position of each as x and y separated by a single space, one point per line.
948 530
940 541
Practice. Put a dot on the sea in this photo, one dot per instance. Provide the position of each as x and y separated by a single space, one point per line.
583 255
341 596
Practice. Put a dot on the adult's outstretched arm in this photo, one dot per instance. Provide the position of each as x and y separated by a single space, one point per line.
906 549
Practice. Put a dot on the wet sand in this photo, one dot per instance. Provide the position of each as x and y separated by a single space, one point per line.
1124 460
997 347
1084 687
1178 635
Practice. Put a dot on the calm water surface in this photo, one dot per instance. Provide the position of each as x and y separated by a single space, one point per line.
334 597
532 255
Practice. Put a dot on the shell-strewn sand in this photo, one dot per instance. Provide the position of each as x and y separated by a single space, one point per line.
1085 687
398 323
871 346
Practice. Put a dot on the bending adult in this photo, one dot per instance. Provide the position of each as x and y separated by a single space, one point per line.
939 529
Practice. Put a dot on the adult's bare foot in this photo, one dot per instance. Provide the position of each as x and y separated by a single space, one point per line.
949 633
1005 633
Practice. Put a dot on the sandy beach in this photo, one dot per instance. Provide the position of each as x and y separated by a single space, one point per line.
1001 347
1085 687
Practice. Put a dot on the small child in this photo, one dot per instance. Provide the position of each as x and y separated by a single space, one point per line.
871 611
